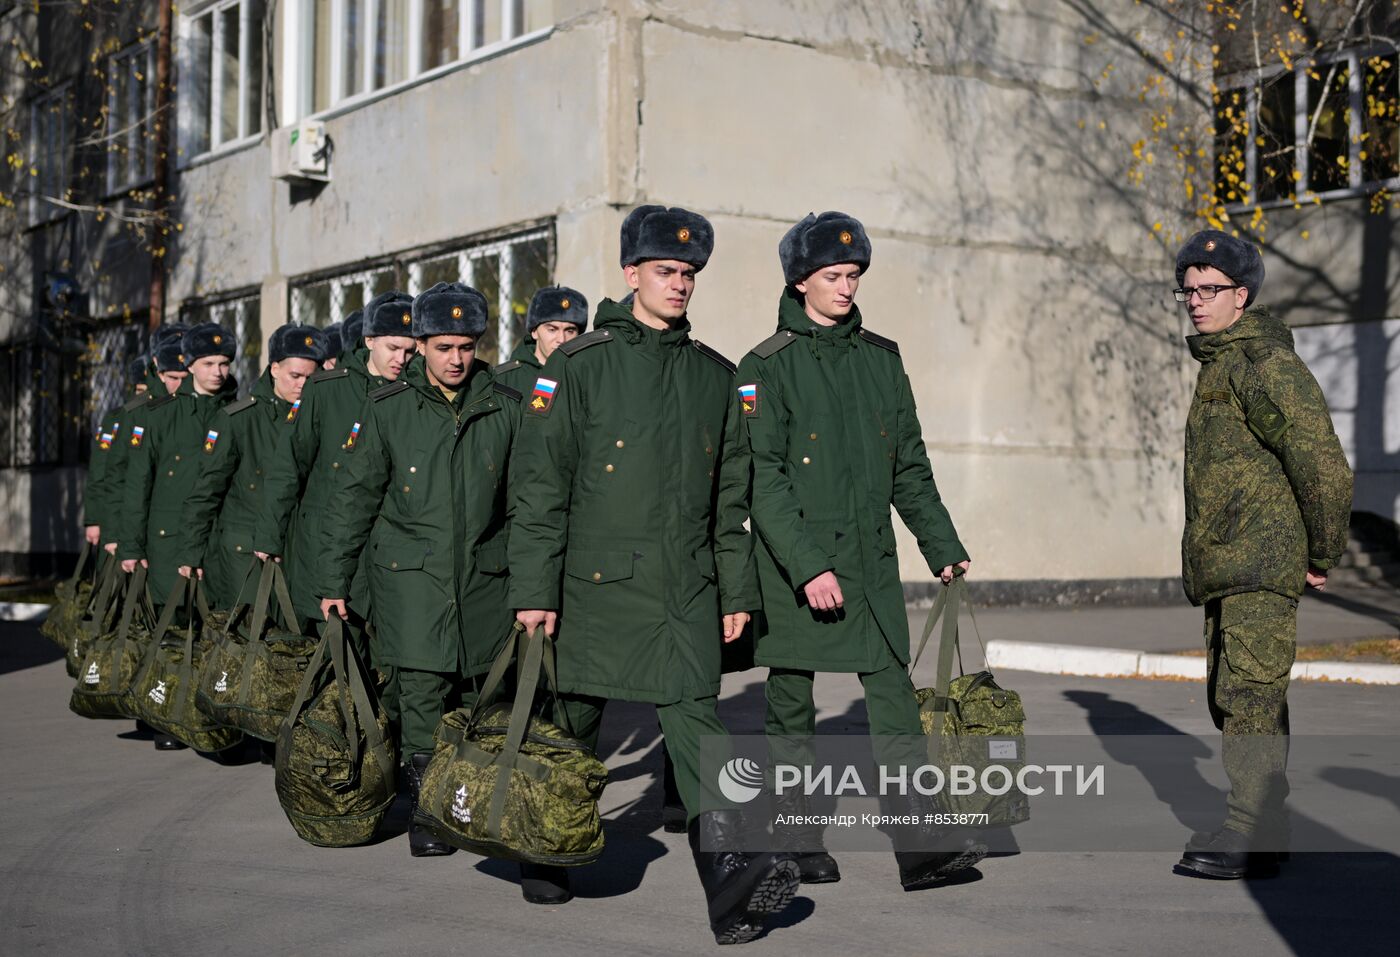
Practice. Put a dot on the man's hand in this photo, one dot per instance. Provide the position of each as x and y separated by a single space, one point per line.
336 605
93 534
824 592
533 618
129 565
111 548
734 625
1317 579
186 570
947 573
265 556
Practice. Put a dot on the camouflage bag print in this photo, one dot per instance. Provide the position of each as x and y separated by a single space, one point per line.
107 672
335 760
977 722
102 606
71 599
505 783
164 689
254 672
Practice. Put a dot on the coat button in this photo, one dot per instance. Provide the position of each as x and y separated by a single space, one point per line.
335 465
891 456
413 468
393 564
806 460
177 458
597 576
813 436
709 451
252 485
162 532
238 548
884 434
171 472
609 468
490 466
405 488
620 443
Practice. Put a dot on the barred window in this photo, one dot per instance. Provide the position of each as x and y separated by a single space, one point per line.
241 314
43 398
51 153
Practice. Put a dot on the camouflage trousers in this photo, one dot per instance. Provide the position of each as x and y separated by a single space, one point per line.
1251 640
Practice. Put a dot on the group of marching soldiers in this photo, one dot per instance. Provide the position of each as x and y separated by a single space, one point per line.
626 489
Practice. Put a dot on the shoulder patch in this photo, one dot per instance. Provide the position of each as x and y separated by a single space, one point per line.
384 391
510 366
712 354
579 343
233 408
507 391
774 344
324 374
876 339
136 402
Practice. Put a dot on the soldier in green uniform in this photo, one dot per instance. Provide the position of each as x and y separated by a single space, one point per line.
334 344
630 494
102 481
423 493
222 508
836 442
1268 510
556 315
352 332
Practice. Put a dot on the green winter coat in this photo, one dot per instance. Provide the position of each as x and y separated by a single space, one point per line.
301 477
630 489
222 508
97 487
523 368
1268 488
836 441
102 495
424 491
165 449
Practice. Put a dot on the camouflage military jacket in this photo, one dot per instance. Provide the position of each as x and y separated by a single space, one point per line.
1268 489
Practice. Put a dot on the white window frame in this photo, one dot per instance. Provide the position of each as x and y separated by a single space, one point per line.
250 30
298 44
41 211
1356 186
138 117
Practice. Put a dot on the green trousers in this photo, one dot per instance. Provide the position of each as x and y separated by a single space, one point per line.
1251 641
420 700
683 725
889 701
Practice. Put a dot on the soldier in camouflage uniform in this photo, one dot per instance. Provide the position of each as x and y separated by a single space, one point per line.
1268 505
556 315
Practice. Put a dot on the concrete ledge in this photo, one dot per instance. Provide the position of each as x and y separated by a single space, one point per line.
1121 663
1059 593
23 611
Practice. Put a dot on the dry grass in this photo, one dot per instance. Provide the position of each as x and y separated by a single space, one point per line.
1381 649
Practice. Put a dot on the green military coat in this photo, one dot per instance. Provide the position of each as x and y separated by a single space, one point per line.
521 371
297 510
102 495
1268 488
836 441
165 448
424 492
223 506
629 487
97 487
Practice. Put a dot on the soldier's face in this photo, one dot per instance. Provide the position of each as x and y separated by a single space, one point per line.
448 358
210 373
388 355
663 286
830 292
551 335
172 380
1219 313
289 377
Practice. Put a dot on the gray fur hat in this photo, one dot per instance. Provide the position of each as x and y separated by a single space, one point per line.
824 240
656 232
449 309
1237 258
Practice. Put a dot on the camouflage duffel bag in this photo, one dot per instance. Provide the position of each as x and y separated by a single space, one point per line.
106 675
72 596
507 784
99 616
164 689
978 723
335 759
255 667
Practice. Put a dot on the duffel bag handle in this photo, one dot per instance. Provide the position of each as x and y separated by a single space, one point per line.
84 554
945 608
272 580
103 604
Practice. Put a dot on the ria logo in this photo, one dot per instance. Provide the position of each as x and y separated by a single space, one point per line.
740 780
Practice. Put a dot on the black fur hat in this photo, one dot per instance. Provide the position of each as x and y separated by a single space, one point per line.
1237 258
332 335
449 309
557 304
352 331
170 356
389 314
294 341
824 240
170 332
655 232
208 339
137 368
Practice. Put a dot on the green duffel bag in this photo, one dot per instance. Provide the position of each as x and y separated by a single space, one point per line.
505 783
256 667
978 722
106 675
71 598
335 759
98 617
164 689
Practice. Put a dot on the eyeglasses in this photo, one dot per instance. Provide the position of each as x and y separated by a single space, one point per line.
1207 293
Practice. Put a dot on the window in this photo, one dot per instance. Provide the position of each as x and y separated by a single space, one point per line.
224 44
348 48
1328 127
51 145
111 347
241 315
42 407
507 271
131 107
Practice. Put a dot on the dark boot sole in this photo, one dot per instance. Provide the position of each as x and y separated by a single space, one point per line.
432 850
1190 868
770 895
545 900
962 862
673 820
827 878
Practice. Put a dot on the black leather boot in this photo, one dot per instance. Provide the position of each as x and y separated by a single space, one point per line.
167 742
741 890
803 841
672 809
545 884
1224 856
420 842
950 851
1261 863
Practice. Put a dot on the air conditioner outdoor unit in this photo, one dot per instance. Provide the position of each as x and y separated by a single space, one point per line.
302 151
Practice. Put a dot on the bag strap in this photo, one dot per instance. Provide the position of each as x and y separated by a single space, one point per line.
273 581
492 682
945 607
365 710
194 600
84 554
101 605
527 680
135 590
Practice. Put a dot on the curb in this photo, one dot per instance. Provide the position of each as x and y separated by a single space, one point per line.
23 611
1122 663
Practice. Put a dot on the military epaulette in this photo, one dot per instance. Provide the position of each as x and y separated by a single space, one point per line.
507 391
712 354
1257 350
579 343
510 366
159 401
233 408
878 340
324 374
384 391
774 344
136 402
